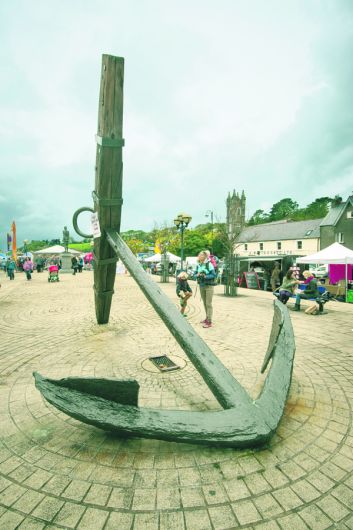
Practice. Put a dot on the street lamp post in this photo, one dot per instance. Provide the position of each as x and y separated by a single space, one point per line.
181 222
209 213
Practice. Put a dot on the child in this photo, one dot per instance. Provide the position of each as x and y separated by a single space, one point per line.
183 290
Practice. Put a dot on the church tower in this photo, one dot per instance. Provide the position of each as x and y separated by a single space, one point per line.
235 213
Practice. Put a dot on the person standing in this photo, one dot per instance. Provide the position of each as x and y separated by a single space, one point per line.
74 264
80 264
275 276
205 276
266 278
28 268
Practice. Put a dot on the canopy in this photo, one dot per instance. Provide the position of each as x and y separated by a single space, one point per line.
335 253
56 249
172 258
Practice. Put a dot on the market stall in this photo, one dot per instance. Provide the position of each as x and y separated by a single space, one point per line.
334 255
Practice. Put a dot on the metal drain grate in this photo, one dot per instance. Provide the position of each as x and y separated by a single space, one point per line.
163 363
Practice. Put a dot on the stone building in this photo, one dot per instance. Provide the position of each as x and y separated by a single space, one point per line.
235 213
337 226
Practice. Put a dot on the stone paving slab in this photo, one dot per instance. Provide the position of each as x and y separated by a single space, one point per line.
56 472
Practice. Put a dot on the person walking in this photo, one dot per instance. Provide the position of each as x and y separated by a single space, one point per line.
10 268
205 276
28 268
183 290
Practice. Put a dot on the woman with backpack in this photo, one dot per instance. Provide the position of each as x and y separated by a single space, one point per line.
205 276
28 268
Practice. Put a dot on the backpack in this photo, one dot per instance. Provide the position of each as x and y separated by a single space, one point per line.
214 262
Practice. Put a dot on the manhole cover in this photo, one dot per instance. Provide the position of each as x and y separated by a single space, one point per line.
151 367
163 363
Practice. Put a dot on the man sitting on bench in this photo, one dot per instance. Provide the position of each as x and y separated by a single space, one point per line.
311 290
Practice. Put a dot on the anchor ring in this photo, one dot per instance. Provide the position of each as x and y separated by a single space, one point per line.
74 221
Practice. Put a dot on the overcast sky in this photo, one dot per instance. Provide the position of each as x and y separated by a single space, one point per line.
253 95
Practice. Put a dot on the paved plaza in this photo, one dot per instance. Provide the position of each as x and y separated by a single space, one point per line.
56 472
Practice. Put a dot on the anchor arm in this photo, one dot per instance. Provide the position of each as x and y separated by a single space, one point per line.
238 427
220 381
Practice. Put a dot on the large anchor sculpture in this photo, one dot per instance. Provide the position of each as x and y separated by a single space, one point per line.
112 404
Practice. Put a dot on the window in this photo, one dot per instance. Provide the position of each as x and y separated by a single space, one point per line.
308 233
261 246
350 215
340 237
279 245
299 245
245 246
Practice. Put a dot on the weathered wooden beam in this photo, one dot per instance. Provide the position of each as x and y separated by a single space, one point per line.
217 377
108 180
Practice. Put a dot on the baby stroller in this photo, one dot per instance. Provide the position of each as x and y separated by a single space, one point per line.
53 273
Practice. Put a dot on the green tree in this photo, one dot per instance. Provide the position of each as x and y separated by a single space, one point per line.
258 217
135 234
166 237
135 245
336 201
318 208
283 209
37 245
194 242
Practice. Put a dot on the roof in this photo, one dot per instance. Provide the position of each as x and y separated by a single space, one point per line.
335 213
280 230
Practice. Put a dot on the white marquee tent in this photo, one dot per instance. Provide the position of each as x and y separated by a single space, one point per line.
156 258
334 254
56 249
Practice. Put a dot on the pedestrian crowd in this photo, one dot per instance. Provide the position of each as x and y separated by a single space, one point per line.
52 263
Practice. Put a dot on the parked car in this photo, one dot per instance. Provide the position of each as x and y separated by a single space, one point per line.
320 271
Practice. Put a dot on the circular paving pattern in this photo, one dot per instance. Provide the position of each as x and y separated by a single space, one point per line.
56 472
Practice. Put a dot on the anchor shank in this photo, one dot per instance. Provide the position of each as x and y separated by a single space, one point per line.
108 179
220 381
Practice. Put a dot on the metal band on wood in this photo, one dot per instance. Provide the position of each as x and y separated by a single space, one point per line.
105 141
106 261
106 202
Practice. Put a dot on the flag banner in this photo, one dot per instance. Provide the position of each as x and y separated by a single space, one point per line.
14 245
